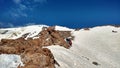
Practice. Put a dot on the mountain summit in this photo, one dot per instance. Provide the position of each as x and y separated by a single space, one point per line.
41 46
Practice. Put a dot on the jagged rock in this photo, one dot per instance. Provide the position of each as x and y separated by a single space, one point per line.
31 50
37 57
53 37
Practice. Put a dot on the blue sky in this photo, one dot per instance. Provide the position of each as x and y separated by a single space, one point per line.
70 13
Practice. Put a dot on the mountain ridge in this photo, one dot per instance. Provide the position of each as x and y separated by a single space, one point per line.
31 49
96 47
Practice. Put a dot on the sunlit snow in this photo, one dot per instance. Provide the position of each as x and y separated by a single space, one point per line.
13 33
98 47
61 28
10 61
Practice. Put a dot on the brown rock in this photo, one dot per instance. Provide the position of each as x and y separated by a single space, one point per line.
31 51
86 28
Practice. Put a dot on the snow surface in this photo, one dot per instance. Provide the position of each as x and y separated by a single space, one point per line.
13 33
10 61
61 28
98 47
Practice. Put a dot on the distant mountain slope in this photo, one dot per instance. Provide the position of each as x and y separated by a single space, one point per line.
97 47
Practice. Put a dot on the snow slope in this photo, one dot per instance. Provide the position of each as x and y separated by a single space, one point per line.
13 33
98 47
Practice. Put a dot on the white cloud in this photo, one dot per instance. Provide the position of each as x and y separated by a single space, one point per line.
18 14
6 25
30 24
17 1
1 25
14 14
10 25
18 11
40 1
24 15
24 5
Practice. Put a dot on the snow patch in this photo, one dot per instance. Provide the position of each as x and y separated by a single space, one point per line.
10 61
60 28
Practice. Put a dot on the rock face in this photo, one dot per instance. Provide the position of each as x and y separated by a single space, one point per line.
32 51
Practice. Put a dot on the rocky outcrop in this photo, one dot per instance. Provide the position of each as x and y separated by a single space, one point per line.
50 36
31 50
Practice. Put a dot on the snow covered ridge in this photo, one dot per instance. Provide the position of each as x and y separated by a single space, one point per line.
97 47
31 51
63 28
33 30
13 33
